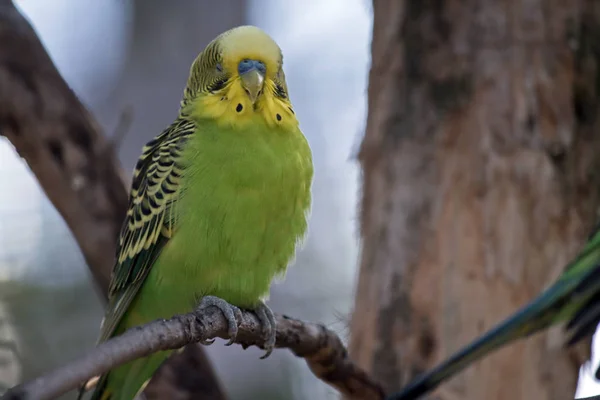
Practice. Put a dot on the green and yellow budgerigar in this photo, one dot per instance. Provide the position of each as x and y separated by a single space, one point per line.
574 298
219 202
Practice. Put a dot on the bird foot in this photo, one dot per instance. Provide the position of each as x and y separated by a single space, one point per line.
269 327
232 315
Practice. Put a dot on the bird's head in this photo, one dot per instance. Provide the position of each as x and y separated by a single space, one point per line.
239 78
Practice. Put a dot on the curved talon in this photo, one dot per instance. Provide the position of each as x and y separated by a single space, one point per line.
233 329
269 327
231 313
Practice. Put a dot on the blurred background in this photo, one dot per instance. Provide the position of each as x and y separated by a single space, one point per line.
134 55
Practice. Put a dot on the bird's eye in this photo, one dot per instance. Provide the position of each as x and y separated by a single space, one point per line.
217 85
280 91
219 67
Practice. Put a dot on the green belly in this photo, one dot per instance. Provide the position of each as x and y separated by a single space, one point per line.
242 212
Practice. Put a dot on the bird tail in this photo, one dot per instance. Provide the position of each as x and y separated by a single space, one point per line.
537 315
95 382
102 391
127 380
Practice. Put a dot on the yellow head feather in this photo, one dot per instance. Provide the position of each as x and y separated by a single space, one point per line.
215 88
249 42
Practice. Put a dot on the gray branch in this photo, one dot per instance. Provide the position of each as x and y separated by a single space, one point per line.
322 349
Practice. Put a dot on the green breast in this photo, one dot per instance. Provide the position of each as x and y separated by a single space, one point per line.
244 205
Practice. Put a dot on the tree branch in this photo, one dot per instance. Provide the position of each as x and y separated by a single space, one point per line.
322 349
61 143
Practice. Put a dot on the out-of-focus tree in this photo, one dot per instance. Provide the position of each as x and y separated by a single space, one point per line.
480 183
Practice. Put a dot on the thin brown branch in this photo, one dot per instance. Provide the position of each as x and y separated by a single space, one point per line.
322 349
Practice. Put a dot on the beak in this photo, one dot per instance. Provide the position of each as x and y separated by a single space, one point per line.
252 81
252 74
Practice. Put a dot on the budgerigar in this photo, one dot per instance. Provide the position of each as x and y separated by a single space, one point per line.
574 298
219 202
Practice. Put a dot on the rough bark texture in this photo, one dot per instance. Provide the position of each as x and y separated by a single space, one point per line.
480 182
76 166
320 347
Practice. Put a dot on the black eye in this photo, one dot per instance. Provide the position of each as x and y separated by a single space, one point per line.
280 91
219 67
217 85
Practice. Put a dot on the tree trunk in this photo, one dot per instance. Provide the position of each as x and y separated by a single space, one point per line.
480 183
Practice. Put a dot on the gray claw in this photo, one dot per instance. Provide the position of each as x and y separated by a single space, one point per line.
269 327
232 315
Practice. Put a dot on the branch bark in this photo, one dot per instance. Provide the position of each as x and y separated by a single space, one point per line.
322 349
78 170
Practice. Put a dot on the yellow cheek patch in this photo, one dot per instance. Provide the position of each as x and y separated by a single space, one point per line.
232 107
